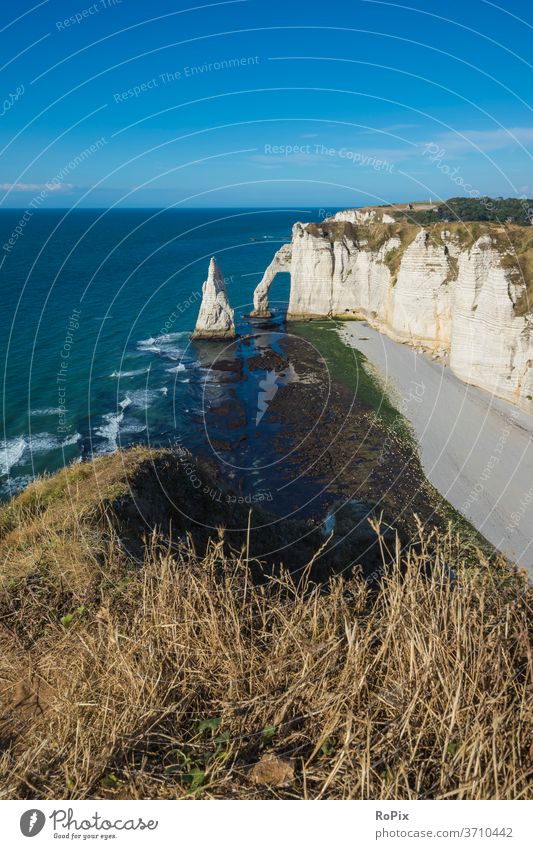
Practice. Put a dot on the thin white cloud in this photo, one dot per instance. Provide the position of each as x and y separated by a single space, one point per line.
484 140
36 187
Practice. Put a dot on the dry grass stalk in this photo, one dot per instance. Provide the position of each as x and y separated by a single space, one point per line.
175 678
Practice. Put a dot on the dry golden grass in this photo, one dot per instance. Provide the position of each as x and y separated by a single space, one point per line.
174 677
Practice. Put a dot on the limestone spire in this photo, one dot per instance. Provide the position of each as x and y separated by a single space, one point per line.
215 319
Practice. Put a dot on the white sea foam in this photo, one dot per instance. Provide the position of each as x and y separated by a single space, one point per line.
71 440
133 373
173 353
11 451
41 443
166 345
132 426
46 411
148 345
172 337
110 427
21 448
141 399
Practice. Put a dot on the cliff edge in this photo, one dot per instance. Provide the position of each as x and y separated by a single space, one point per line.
461 290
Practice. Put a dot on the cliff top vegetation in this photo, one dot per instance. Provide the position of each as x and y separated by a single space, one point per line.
498 210
139 660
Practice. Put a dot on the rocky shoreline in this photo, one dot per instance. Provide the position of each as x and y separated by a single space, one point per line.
332 454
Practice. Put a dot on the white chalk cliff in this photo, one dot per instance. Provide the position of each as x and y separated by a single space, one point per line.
429 291
369 215
216 318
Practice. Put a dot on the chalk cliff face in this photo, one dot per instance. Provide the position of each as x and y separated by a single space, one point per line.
215 319
424 289
364 216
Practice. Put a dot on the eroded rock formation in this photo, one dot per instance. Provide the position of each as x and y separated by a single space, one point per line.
216 318
281 262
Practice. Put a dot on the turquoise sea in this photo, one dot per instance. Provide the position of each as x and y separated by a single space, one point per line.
97 308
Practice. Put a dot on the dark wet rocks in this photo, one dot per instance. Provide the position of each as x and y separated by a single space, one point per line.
269 360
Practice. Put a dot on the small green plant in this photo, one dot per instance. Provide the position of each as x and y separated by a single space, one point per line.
327 748
195 778
183 762
222 742
69 618
267 735
110 781
191 765
209 724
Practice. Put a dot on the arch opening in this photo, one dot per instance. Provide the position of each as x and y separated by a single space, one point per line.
281 263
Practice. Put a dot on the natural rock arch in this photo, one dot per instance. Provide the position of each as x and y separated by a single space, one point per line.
281 262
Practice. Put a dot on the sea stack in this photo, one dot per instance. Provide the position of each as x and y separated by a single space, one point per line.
216 318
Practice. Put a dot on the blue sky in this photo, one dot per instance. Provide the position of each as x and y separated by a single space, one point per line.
249 103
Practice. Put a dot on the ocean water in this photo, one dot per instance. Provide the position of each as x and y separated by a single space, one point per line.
97 309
